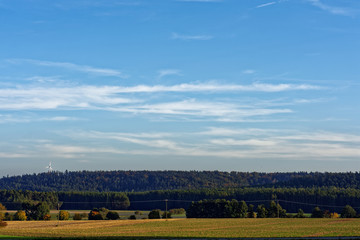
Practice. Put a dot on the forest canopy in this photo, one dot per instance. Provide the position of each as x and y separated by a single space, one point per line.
129 181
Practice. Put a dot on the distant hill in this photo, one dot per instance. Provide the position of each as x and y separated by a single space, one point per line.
128 181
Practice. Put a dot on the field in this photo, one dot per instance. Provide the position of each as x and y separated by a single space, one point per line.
185 228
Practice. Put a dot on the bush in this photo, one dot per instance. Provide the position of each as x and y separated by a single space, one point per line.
317 213
251 213
155 214
166 215
138 212
112 215
8 217
348 212
103 211
47 217
177 211
275 210
78 216
132 217
3 224
64 215
261 211
36 211
20 216
2 207
300 214
2 213
95 215
334 215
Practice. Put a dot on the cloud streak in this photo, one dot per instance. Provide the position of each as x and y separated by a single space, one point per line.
168 72
201 1
8 118
240 144
331 9
177 36
131 100
219 111
265 4
233 143
71 66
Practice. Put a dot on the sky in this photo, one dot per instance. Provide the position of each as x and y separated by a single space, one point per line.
229 85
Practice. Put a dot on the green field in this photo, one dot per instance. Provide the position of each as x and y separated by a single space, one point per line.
185 228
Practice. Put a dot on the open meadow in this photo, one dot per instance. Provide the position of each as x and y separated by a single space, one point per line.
184 228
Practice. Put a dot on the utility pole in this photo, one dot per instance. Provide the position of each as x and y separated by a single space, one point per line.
274 196
166 201
58 218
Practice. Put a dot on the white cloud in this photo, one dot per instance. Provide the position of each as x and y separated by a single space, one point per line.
212 87
248 71
177 36
9 118
25 97
243 144
166 72
236 143
331 9
210 110
72 66
203 1
12 155
265 4
43 79
127 100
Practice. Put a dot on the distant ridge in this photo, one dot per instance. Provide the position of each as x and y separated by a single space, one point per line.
128 181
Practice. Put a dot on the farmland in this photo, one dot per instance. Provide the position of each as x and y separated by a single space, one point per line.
185 228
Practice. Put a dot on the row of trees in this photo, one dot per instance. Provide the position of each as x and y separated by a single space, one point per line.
290 198
13 199
221 208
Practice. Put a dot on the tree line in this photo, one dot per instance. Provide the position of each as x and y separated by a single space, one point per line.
290 198
137 181
216 208
221 208
14 199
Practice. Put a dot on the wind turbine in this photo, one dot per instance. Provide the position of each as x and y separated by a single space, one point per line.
50 169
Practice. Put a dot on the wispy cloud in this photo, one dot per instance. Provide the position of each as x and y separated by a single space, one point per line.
240 144
234 143
177 36
72 66
215 110
12 155
43 79
81 97
203 1
9 118
166 72
213 87
331 9
265 4
131 100
248 71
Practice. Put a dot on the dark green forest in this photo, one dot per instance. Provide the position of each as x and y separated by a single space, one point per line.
330 198
145 190
129 181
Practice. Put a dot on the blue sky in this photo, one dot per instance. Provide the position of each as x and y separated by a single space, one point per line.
250 85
